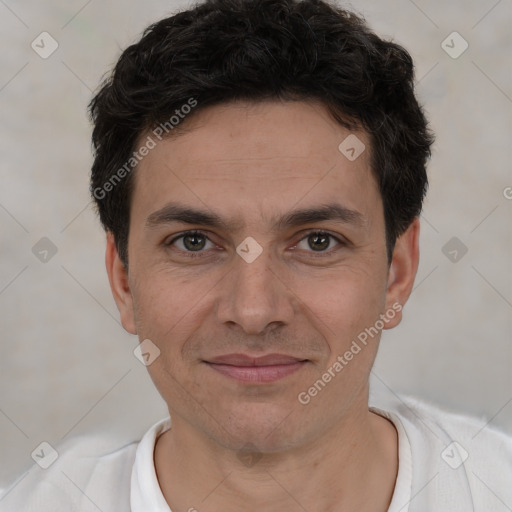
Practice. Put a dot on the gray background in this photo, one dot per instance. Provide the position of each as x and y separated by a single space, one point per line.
67 366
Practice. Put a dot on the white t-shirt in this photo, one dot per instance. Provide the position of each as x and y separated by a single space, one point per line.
447 463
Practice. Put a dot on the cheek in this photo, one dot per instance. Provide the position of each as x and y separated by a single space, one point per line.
159 304
343 302
165 294
170 310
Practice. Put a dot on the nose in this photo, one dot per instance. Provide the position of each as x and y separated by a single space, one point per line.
255 296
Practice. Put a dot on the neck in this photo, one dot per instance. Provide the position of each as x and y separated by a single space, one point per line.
353 466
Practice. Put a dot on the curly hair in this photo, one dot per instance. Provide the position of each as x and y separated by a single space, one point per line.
292 50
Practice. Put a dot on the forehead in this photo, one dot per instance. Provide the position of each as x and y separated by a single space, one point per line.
266 154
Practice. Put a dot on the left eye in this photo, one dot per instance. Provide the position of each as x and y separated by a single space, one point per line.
319 241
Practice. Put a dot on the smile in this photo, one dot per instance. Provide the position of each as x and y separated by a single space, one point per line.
260 370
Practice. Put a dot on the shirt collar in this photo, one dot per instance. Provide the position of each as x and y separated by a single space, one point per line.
145 493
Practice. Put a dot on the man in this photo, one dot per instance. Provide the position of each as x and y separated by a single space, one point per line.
259 171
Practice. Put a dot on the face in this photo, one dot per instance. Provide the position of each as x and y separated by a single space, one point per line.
256 311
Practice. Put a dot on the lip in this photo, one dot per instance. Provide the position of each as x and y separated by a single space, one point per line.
255 370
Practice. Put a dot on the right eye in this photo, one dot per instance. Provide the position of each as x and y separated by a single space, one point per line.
191 242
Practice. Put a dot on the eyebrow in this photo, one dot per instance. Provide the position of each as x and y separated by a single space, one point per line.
174 212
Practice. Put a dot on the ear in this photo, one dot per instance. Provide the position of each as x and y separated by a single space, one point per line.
402 272
118 278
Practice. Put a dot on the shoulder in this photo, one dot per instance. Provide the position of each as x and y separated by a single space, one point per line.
77 474
474 430
463 460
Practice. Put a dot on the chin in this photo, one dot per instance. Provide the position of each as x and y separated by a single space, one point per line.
266 427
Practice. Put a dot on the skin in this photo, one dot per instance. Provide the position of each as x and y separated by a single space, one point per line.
240 446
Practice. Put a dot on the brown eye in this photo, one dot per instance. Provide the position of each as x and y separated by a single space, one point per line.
319 242
194 242
190 242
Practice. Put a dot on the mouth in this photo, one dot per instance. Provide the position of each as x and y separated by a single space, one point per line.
256 370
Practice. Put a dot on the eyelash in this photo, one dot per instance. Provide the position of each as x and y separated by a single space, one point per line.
197 254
